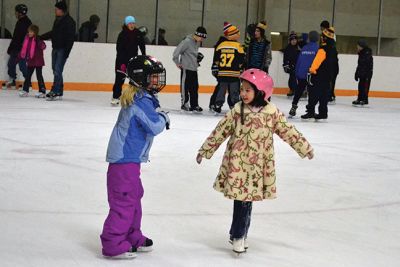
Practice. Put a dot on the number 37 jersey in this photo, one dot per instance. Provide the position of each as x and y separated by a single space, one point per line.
229 57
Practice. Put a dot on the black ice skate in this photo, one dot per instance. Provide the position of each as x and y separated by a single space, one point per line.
51 96
217 109
307 116
196 109
359 103
332 101
146 247
185 107
292 111
319 117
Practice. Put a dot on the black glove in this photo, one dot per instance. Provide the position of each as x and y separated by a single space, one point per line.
200 57
356 77
214 70
310 78
166 118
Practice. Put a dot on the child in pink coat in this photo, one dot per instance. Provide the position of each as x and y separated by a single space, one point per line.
32 52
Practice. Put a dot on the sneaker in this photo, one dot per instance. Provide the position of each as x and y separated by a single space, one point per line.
318 117
146 247
114 101
51 96
292 111
307 116
23 93
196 109
131 254
40 95
185 107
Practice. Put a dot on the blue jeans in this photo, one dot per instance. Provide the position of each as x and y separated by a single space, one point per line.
57 64
241 219
12 66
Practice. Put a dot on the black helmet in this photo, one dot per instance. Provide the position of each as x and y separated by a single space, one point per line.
21 8
140 70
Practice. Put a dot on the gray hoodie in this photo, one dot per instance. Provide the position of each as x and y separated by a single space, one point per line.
185 53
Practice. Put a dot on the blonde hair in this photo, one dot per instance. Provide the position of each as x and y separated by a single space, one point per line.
127 95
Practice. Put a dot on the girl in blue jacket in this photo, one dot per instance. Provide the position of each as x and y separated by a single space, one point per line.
138 122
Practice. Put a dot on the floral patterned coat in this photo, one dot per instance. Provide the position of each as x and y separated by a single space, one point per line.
247 172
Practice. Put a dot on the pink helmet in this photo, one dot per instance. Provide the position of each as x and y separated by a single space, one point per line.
260 79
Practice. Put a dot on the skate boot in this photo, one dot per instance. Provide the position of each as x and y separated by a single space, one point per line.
51 96
332 101
292 111
307 116
41 94
238 245
319 117
23 93
11 84
246 243
196 109
185 107
114 102
290 94
217 109
131 254
359 103
146 247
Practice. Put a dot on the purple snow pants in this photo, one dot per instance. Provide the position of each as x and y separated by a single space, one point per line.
121 229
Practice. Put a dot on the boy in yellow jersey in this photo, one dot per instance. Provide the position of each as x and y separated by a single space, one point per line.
229 57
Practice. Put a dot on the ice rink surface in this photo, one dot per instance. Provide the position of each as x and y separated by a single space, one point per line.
340 209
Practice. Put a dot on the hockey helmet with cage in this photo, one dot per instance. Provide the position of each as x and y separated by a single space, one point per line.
146 72
21 9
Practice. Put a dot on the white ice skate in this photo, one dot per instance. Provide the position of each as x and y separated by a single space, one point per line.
238 246
23 93
115 102
40 95
246 243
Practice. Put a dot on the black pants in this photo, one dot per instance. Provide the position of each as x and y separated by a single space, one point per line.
301 86
119 81
363 89
241 219
332 87
39 76
189 88
292 81
319 94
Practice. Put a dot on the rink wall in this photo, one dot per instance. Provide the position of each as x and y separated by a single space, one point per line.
90 67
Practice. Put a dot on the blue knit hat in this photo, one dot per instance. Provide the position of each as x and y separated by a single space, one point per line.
129 19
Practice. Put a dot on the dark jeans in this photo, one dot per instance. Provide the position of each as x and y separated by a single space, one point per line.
233 89
119 81
332 86
58 61
189 88
241 219
292 81
12 66
39 76
363 89
318 94
214 96
301 86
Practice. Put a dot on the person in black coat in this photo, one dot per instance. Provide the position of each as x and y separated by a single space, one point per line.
129 40
161 38
87 31
7 34
364 72
62 39
20 30
290 55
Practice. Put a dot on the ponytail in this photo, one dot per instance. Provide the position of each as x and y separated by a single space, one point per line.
127 95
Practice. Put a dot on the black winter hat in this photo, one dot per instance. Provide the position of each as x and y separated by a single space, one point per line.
201 32
362 43
325 24
313 36
61 5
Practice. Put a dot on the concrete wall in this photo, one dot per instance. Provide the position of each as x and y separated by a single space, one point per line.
93 64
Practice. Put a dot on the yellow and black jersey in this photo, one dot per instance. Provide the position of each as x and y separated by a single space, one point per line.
229 56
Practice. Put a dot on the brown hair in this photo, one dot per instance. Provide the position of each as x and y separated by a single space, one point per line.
34 28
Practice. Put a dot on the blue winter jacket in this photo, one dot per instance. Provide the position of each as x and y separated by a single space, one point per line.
135 129
305 59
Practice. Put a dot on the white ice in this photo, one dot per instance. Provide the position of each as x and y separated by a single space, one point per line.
339 209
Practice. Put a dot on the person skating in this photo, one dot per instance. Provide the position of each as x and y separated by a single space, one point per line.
319 78
128 42
13 50
364 72
247 173
185 56
62 39
229 56
32 53
290 55
130 142
87 31
303 64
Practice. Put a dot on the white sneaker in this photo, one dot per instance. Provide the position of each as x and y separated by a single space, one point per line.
23 93
115 101
238 245
40 95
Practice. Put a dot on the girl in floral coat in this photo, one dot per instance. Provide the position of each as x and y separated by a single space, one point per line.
247 172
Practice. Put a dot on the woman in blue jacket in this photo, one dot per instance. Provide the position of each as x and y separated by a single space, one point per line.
138 122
